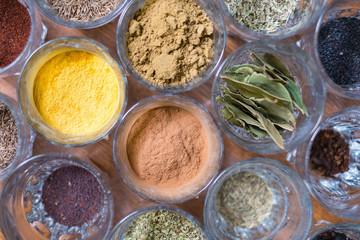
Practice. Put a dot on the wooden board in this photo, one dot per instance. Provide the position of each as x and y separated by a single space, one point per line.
125 201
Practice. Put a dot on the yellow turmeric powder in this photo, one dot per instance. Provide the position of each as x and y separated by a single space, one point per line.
76 92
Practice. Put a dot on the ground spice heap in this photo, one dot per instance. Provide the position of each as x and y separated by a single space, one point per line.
83 10
332 235
167 147
8 136
170 41
244 200
163 224
72 196
339 49
330 152
15 28
76 92
261 15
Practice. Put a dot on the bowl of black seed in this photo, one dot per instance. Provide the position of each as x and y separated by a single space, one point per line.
338 231
83 14
16 139
337 47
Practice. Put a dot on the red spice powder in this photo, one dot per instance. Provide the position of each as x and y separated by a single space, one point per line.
15 28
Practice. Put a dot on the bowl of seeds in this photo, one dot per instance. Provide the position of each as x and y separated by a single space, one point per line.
268 97
84 14
16 138
171 46
258 198
269 18
158 222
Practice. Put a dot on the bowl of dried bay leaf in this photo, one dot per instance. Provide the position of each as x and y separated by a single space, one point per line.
268 97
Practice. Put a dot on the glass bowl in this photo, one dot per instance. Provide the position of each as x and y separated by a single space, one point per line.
340 194
291 214
48 11
309 42
306 13
22 214
219 34
120 229
26 83
174 194
25 138
351 230
36 38
306 75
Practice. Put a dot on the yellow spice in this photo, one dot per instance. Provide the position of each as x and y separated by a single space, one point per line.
76 92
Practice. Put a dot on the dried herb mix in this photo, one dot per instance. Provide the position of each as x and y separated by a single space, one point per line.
8 136
261 15
261 98
72 196
330 152
332 235
163 225
244 200
339 50
15 28
83 10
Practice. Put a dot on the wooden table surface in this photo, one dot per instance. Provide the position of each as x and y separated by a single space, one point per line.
100 153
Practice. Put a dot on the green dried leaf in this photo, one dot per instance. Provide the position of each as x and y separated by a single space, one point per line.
284 126
276 113
272 131
256 132
296 96
273 61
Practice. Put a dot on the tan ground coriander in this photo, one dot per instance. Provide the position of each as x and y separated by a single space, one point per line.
170 41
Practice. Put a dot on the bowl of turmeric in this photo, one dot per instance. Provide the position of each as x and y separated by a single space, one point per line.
72 91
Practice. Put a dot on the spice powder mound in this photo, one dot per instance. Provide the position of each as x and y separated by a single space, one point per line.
170 41
72 196
8 136
167 147
244 200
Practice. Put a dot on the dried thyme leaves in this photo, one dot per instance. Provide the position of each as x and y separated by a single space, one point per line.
261 98
260 15
244 200
8 136
83 10
162 225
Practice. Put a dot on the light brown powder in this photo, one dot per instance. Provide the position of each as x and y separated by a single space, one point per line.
170 41
167 147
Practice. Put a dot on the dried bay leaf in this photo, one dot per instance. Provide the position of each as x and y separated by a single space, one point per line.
277 111
296 96
275 62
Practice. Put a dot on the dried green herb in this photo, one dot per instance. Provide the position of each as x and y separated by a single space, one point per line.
261 98
8 136
163 224
261 15
244 200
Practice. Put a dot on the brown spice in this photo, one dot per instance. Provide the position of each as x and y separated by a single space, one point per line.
8 136
330 152
170 41
167 147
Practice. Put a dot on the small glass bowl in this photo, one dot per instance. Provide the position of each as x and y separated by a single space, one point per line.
119 230
25 138
306 75
306 13
309 42
50 13
171 194
220 38
291 214
36 38
26 83
351 230
22 214
340 194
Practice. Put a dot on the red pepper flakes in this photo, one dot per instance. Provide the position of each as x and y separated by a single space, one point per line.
72 196
15 28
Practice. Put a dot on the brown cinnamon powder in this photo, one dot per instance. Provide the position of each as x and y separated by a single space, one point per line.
167 147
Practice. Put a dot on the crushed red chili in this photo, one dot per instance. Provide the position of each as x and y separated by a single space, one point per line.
15 27
72 196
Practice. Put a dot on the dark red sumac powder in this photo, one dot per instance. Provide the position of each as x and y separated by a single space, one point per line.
72 196
15 27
